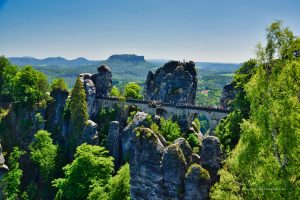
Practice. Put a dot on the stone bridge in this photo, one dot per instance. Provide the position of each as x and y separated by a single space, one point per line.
213 115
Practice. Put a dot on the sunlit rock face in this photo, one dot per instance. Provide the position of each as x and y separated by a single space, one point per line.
103 81
197 183
228 94
211 156
175 82
55 122
160 169
96 86
90 134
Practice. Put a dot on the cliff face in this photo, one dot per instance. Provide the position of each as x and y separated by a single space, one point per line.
164 171
175 82
228 94
96 85
55 122
3 170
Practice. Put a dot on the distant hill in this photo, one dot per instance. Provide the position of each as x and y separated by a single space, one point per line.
125 67
218 67
21 61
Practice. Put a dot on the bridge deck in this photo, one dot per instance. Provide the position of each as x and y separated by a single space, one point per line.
154 104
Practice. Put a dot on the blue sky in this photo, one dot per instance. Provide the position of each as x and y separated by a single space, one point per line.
199 30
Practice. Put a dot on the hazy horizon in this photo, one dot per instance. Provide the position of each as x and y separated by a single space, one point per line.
198 30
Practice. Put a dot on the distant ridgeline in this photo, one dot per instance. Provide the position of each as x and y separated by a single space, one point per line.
125 68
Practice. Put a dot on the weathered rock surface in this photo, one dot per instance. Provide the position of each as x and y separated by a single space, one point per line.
114 143
197 183
158 170
54 113
96 86
146 178
175 82
128 134
103 81
211 156
90 91
90 134
174 169
186 150
3 170
228 94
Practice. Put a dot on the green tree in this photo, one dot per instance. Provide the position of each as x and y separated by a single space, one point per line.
79 114
7 74
169 129
120 184
30 87
265 163
12 180
103 118
91 165
58 84
133 90
44 153
115 92
118 187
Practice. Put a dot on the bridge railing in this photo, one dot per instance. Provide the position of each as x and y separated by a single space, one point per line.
157 104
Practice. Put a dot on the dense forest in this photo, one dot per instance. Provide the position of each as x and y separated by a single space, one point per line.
51 154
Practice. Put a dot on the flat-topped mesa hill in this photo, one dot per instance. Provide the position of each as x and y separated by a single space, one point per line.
127 58
175 82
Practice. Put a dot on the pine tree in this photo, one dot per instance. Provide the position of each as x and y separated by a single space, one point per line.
79 114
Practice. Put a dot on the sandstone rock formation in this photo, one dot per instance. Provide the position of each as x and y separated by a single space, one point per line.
3 170
96 86
211 156
175 82
90 91
90 134
103 81
174 168
228 94
197 183
159 170
146 180
186 149
114 144
54 114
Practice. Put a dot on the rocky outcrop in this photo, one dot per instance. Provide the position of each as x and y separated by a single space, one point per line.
114 143
175 82
90 91
228 94
96 86
128 134
103 81
3 170
174 168
90 134
146 179
211 156
54 114
186 149
197 183
159 170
